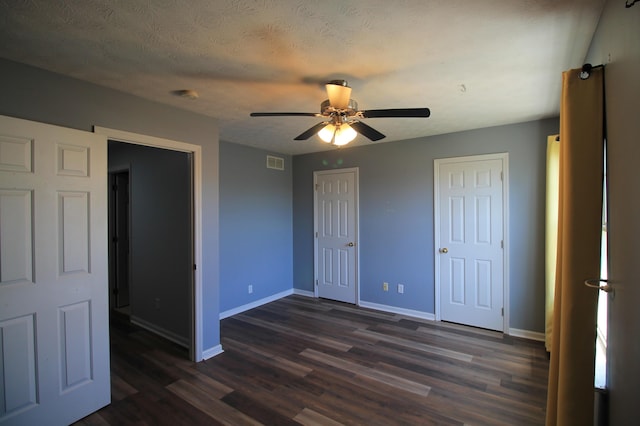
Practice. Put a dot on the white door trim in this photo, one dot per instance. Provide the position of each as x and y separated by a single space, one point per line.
152 141
505 231
356 171
110 172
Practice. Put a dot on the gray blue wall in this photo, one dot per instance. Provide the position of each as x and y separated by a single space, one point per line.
266 218
34 94
161 267
256 233
396 214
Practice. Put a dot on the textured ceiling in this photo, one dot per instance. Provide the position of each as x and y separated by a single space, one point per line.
474 63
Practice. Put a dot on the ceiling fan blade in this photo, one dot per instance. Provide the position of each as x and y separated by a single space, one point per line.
397 112
366 130
280 114
310 132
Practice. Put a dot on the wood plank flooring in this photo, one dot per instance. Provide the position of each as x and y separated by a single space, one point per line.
316 362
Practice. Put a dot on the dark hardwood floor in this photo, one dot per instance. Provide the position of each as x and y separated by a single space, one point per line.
316 362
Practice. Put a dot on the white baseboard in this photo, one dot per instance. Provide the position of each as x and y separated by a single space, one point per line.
305 293
169 335
526 334
255 304
400 311
379 307
216 350
211 352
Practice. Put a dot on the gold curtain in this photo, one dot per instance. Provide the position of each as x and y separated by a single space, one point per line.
571 391
551 234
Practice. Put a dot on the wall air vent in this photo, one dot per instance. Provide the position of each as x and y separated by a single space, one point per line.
276 163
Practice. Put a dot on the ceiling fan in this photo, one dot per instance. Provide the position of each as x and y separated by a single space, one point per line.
343 117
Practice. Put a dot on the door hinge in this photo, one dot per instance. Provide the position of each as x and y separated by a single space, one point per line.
114 187
316 283
316 234
502 244
194 267
317 186
502 312
501 175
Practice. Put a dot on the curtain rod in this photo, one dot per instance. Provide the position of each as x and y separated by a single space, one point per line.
586 70
585 73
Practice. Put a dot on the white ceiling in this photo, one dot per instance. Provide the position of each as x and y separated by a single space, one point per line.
474 63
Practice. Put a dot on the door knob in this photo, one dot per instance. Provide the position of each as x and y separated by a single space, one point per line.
444 250
351 244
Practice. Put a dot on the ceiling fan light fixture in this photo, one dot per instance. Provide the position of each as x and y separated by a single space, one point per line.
338 135
327 132
339 94
344 135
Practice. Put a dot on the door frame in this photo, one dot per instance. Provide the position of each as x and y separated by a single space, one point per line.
196 341
317 173
110 172
504 157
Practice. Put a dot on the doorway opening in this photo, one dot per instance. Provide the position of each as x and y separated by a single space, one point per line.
191 335
151 262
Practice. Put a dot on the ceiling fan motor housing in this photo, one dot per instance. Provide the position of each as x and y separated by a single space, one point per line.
327 110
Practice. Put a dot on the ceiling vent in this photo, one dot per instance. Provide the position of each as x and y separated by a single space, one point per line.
276 163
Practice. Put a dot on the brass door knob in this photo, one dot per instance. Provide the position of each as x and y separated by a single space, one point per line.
444 250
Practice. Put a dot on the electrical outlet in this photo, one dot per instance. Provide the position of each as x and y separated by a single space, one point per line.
385 286
400 288
250 289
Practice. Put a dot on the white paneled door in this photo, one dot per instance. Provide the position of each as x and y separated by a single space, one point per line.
336 234
54 343
470 239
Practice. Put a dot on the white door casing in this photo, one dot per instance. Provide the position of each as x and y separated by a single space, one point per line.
336 234
470 240
54 325
119 241
196 350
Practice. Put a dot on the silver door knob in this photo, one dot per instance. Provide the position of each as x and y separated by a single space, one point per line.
444 250
351 244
